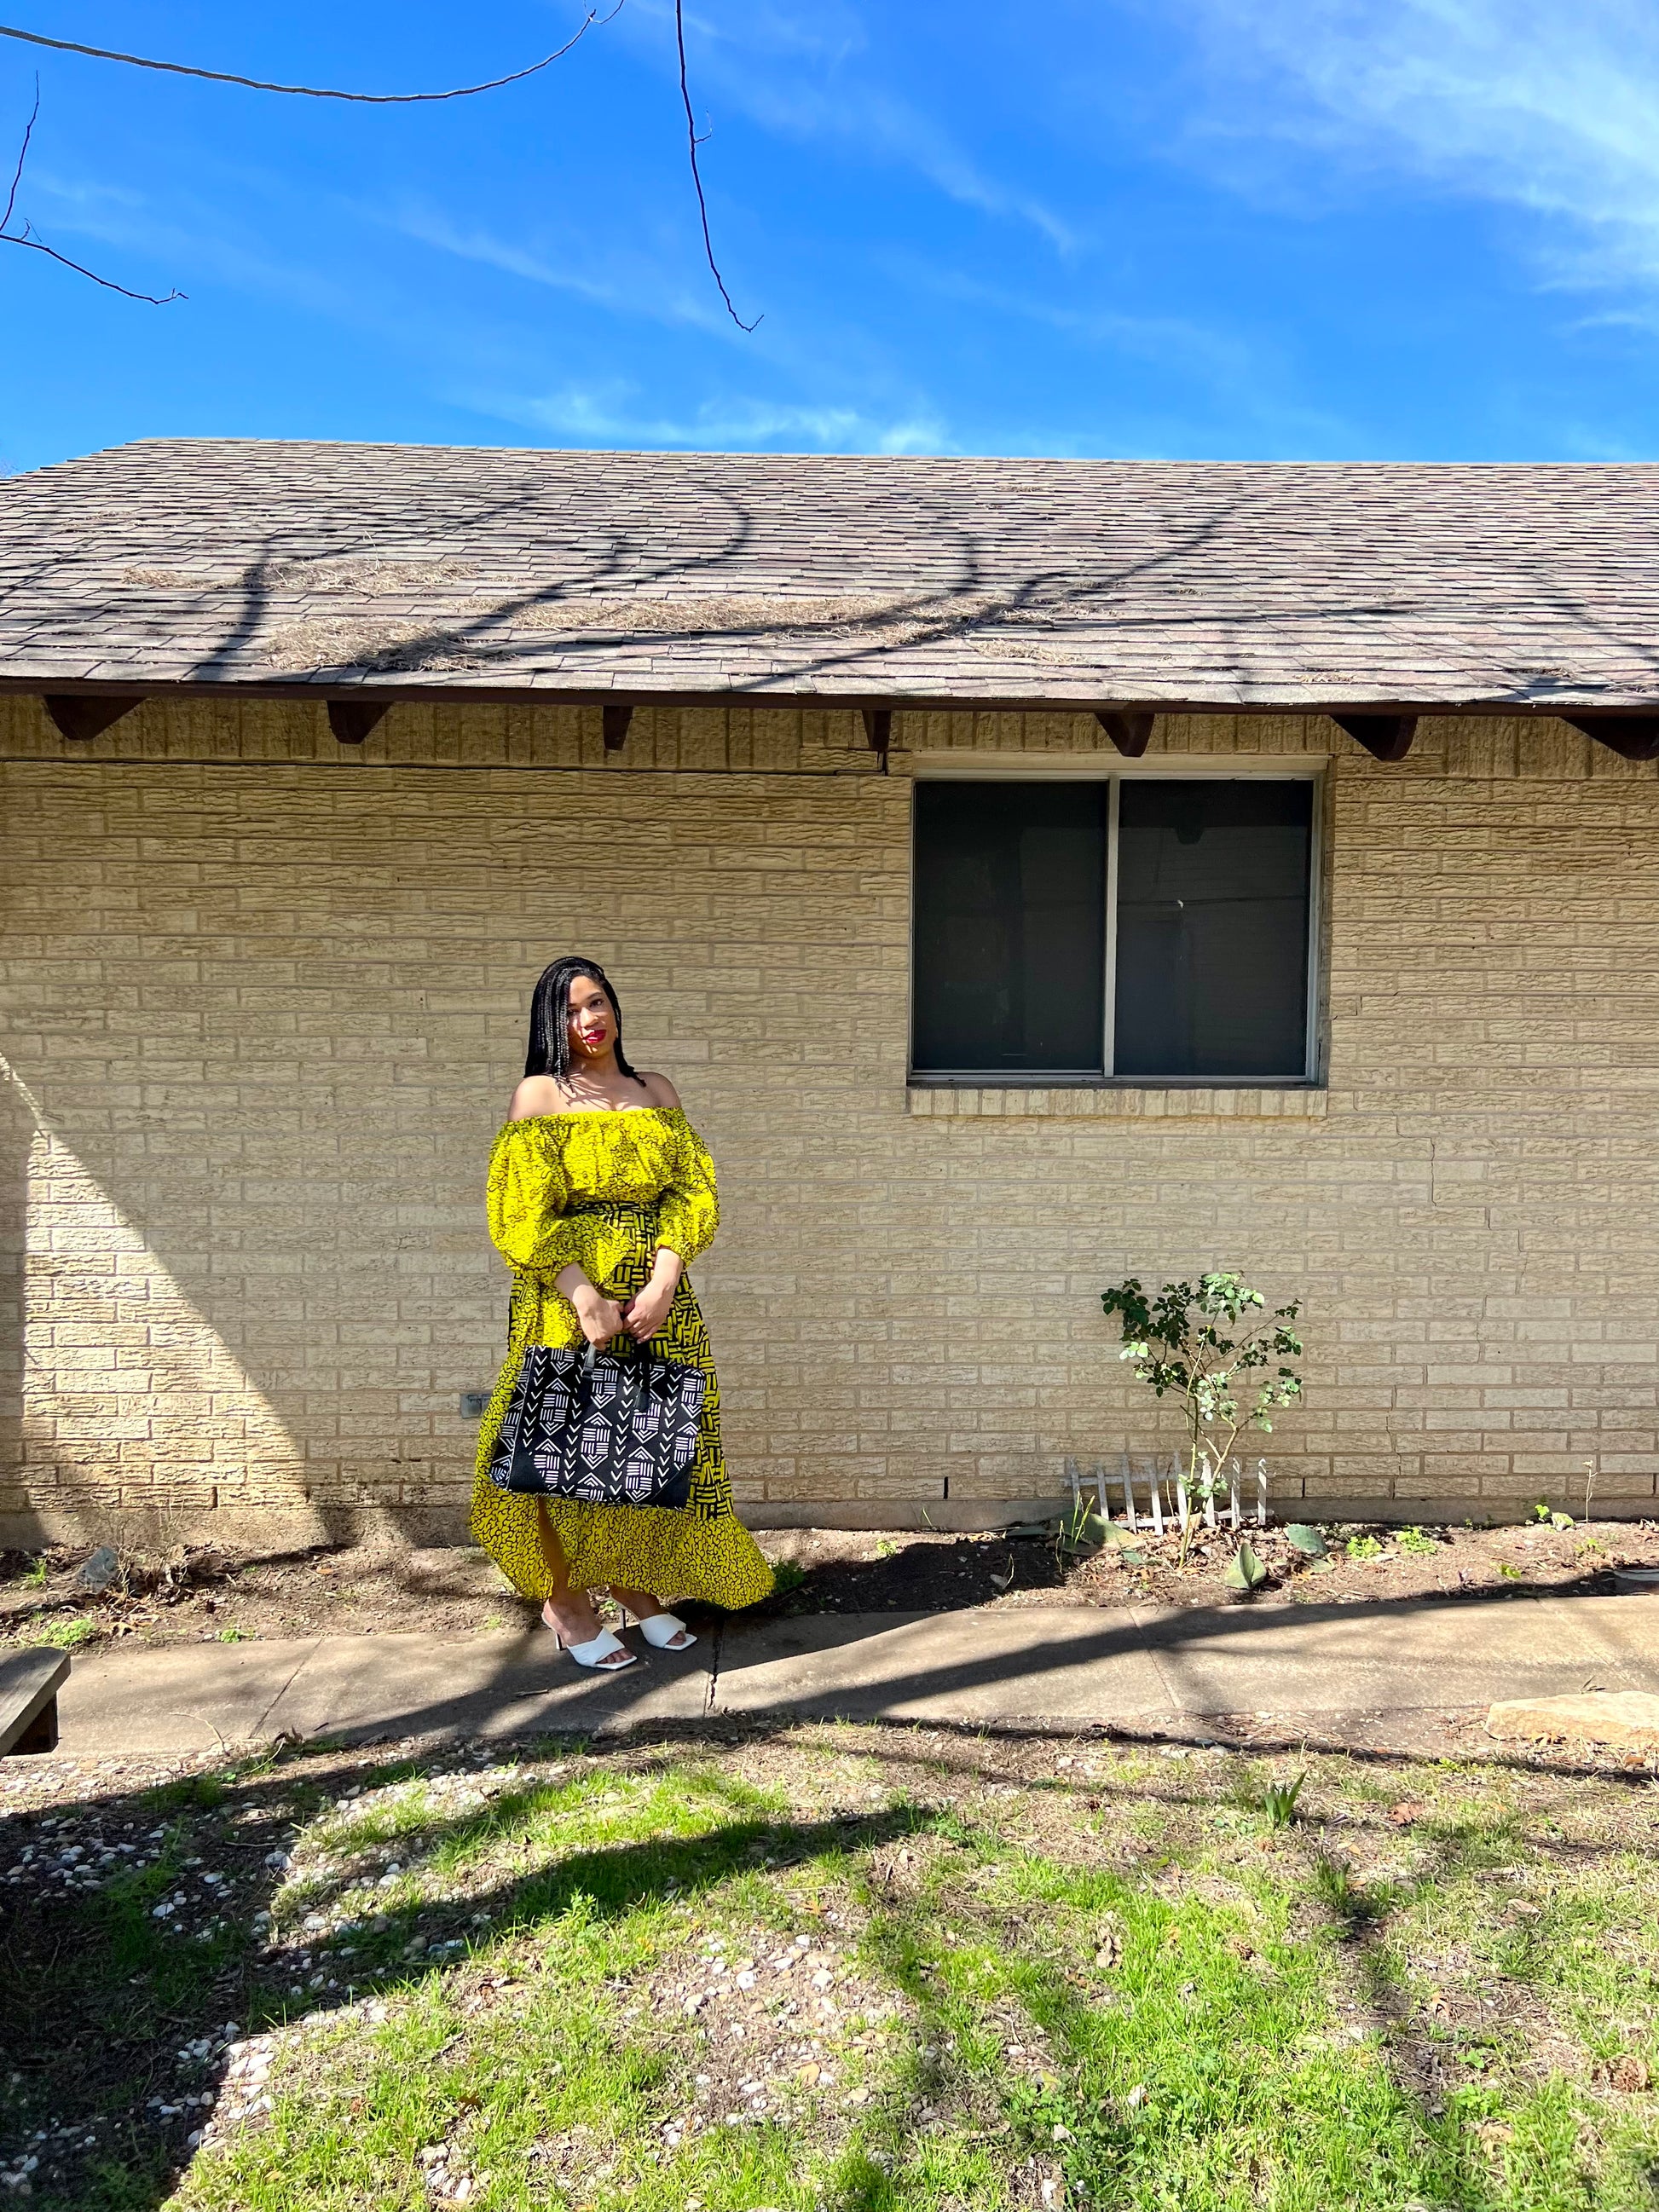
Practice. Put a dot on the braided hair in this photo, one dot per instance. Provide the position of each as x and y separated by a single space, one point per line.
549 1052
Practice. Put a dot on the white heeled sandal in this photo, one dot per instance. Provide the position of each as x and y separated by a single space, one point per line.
665 1632
599 1650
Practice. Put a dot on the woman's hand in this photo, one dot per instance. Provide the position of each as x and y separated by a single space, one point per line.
601 1317
647 1310
645 1313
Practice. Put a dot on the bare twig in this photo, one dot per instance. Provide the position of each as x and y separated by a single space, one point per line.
311 91
697 175
22 157
39 245
26 236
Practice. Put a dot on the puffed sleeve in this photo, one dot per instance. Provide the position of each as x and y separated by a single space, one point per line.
689 1210
528 1194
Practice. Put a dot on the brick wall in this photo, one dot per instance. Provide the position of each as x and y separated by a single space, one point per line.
264 1004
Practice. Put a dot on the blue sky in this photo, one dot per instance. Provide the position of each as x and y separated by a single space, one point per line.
1208 228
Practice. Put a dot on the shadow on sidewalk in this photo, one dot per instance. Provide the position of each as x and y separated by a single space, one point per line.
1186 1654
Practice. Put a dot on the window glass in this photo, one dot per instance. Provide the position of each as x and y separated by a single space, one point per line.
1009 927
1212 929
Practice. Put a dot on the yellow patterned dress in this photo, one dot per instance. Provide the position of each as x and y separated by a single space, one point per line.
606 1190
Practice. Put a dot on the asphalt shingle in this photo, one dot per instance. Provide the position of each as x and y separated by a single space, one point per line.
1072 583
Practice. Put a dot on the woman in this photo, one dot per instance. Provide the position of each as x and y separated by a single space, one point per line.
600 1194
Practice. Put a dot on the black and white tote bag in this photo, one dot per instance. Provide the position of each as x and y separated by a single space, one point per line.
602 1429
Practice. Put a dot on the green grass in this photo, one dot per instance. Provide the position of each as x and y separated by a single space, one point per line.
1002 1975
66 1635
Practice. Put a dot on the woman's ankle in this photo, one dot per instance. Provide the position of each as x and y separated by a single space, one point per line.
574 1611
640 1603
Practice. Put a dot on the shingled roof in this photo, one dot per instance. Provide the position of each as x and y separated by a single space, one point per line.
414 569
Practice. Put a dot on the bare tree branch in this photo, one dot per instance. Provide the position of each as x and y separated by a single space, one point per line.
696 176
38 245
311 91
26 237
22 157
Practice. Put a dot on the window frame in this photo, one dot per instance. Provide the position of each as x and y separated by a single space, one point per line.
1089 768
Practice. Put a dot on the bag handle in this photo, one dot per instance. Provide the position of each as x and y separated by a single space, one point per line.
588 1352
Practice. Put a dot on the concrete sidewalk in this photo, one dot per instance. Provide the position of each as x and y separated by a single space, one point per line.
1054 1665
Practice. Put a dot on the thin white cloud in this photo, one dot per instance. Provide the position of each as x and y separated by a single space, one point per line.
1548 105
602 415
624 281
807 77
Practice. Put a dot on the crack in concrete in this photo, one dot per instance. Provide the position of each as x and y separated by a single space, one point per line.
303 1662
714 1642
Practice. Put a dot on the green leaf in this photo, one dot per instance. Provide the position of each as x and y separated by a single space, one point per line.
1246 1572
1306 1540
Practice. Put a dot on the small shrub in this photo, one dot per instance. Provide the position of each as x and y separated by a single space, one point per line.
1214 1345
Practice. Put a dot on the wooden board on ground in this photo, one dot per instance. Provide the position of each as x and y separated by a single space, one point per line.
29 1683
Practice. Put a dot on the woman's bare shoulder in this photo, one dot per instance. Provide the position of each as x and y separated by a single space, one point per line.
537 1094
662 1092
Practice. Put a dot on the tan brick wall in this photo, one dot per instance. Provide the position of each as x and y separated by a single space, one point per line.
264 1004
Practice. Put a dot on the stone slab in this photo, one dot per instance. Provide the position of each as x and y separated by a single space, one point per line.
1630 1718
175 1696
1419 1654
1065 1665
1054 1662
358 1689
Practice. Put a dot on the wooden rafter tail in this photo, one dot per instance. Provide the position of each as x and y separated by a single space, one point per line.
1129 728
1386 736
1632 737
878 733
84 715
615 717
353 719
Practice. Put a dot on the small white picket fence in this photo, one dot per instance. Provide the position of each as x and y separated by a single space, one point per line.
1165 1494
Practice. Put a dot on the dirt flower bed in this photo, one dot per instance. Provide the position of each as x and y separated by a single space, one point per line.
204 1593
867 1969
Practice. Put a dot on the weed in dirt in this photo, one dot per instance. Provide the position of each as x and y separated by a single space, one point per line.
1415 1540
67 1635
1278 1800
